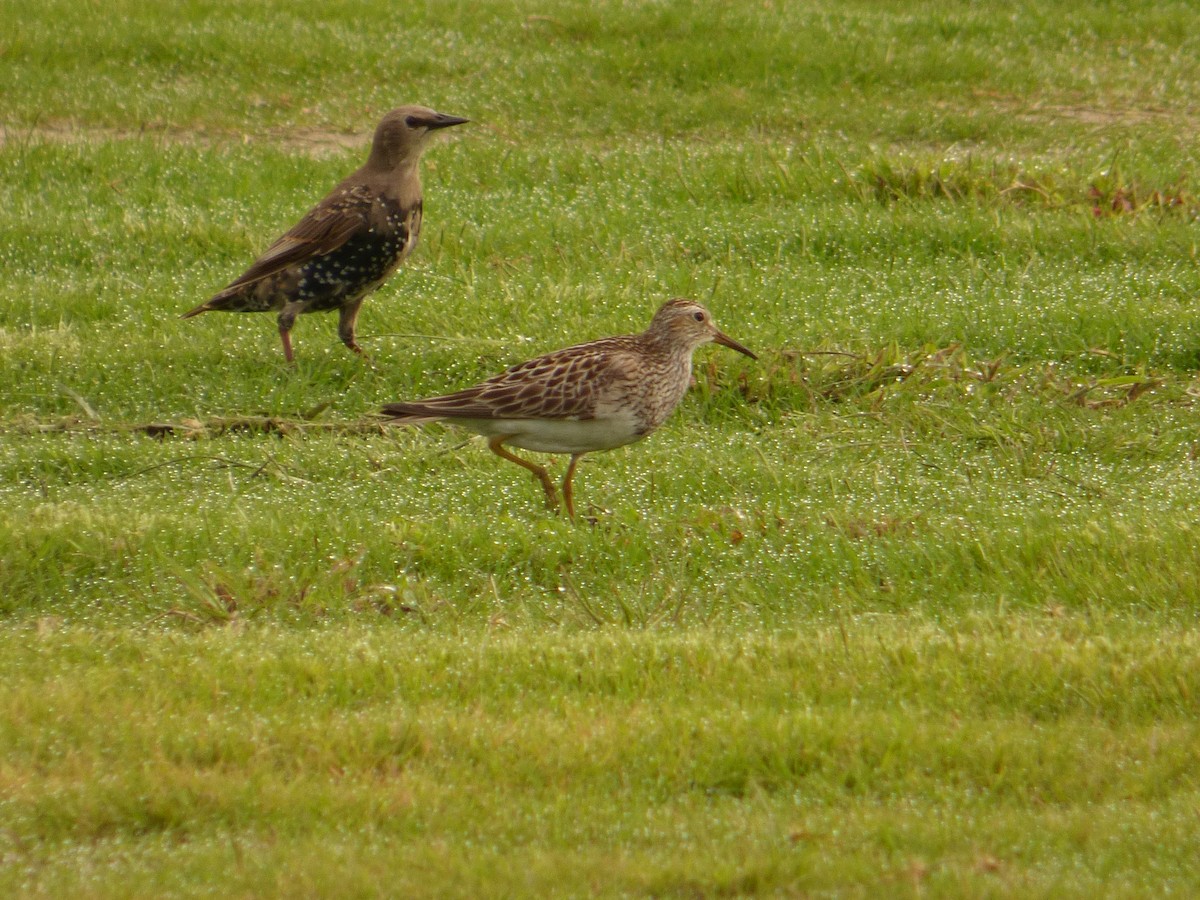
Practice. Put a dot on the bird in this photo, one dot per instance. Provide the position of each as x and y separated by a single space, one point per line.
348 244
593 396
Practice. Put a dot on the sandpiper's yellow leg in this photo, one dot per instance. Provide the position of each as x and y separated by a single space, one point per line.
569 485
496 445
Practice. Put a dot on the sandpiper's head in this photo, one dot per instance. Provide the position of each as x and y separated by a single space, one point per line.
686 322
401 134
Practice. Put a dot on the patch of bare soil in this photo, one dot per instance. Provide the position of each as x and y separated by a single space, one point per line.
312 141
1087 113
1095 115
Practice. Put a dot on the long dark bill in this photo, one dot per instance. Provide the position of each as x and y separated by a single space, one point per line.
726 341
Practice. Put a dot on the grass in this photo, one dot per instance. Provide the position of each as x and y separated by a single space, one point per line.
705 760
907 606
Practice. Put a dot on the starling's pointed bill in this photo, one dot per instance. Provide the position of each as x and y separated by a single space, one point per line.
349 243
441 120
592 396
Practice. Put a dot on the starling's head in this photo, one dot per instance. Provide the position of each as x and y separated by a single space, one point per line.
686 322
402 133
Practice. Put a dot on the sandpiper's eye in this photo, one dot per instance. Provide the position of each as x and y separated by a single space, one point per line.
698 316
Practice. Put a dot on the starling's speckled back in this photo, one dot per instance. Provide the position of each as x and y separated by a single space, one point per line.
351 241
342 250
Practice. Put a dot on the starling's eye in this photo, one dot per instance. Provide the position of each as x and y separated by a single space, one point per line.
698 316
411 121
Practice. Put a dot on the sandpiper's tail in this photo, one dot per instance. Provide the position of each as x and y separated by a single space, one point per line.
409 414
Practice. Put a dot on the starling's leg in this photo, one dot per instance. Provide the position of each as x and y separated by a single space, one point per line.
347 321
496 445
569 486
287 318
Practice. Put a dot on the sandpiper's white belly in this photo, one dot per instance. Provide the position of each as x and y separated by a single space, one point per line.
558 435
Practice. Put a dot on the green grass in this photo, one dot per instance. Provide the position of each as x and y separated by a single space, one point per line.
907 607
367 760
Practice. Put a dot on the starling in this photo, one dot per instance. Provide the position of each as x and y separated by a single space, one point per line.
350 242
593 396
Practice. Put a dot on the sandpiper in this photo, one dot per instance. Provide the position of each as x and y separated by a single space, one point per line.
350 242
592 396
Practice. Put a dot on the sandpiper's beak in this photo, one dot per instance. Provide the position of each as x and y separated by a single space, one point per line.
441 120
726 341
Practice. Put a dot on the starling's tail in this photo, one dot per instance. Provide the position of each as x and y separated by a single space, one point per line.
232 299
203 307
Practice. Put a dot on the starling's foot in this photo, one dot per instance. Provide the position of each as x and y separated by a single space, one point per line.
287 347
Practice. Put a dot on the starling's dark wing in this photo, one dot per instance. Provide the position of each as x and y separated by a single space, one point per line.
326 227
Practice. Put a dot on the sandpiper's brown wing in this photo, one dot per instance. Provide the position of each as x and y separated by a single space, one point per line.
565 384
325 228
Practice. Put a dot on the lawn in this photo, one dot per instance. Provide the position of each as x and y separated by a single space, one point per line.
908 606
